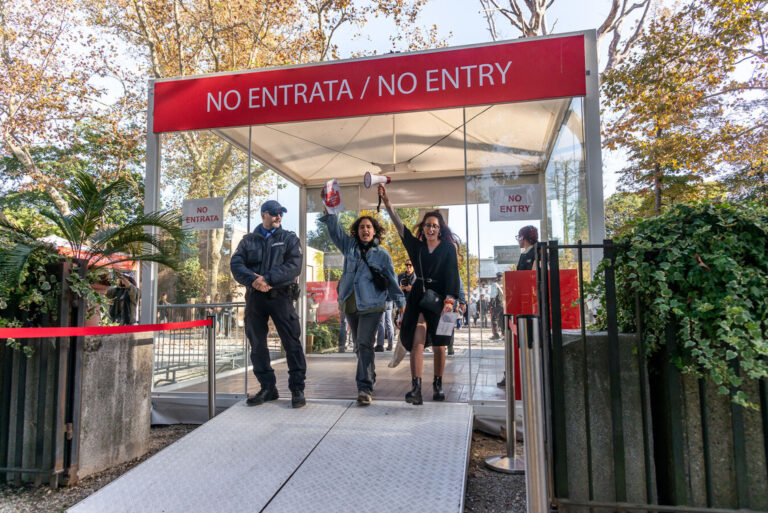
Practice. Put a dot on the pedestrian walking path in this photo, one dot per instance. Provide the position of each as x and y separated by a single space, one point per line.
330 456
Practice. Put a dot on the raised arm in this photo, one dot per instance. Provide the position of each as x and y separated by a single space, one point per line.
392 214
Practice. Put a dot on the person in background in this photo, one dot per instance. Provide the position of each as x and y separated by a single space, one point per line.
227 315
433 254
343 332
363 292
483 309
473 313
527 237
162 313
386 328
268 262
406 279
497 307
217 312
461 306
125 299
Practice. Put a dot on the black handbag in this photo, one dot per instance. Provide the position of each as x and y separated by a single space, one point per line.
380 280
430 300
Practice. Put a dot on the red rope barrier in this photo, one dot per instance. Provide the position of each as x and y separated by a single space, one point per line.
97 330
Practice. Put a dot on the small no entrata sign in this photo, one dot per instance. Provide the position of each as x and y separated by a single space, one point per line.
516 203
202 214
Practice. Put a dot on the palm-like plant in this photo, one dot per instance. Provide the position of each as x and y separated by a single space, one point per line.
90 239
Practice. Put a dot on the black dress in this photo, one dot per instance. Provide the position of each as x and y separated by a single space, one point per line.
441 270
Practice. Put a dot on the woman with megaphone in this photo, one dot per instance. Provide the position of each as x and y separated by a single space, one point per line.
434 293
367 278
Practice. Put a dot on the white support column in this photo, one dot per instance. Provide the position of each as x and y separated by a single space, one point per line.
151 204
593 143
303 276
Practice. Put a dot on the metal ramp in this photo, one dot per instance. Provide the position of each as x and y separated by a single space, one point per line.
330 456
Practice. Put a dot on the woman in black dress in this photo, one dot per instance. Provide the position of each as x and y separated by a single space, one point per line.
434 260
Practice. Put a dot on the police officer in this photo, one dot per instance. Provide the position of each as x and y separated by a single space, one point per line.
267 262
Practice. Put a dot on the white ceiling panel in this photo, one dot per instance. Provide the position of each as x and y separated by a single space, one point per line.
428 144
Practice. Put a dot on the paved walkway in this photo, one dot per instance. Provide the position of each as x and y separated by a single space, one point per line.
332 376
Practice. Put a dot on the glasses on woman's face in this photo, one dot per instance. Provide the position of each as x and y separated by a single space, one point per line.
432 226
519 237
409 265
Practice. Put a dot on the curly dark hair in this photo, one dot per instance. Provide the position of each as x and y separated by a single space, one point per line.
529 233
445 232
378 230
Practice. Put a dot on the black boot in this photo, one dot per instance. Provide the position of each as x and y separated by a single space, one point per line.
414 396
437 389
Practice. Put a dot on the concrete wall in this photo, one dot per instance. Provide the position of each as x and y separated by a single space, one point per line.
721 443
600 424
115 419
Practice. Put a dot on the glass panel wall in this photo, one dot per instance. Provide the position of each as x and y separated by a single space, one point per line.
507 147
198 165
566 189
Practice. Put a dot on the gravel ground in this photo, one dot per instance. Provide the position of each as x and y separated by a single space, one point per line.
487 491
27 499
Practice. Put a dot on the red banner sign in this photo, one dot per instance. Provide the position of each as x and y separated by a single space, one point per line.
496 73
322 300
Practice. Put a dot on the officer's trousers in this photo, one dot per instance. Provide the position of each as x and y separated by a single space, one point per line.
259 307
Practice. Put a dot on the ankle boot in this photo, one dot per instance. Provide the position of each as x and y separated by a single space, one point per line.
437 389
414 396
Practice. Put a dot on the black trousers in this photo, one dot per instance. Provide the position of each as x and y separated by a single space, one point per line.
259 307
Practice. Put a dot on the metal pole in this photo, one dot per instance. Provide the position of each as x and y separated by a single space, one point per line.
212 367
248 229
508 463
533 412
466 172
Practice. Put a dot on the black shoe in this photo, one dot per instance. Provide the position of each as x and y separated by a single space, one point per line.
389 348
342 350
437 389
503 382
414 396
379 349
263 395
297 399
364 398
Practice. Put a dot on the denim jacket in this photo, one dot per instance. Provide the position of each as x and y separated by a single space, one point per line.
357 277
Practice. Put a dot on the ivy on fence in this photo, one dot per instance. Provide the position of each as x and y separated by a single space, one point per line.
702 268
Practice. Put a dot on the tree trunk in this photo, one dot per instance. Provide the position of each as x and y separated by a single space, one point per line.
657 189
217 239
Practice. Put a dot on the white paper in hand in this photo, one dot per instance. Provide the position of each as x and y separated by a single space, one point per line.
332 197
447 324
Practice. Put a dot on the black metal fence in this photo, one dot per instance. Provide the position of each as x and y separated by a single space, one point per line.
40 399
627 433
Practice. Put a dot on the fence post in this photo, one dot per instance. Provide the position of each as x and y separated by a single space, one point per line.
536 479
212 367
508 463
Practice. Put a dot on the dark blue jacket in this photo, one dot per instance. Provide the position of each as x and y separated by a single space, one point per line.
277 258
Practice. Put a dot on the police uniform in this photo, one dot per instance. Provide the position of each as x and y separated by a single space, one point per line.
276 255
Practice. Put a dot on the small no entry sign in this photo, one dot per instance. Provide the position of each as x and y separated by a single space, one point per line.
516 203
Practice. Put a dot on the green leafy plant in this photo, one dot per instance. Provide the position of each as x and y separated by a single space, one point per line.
702 268
326 335
26 283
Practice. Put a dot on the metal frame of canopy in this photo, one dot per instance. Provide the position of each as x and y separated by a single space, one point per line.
237 113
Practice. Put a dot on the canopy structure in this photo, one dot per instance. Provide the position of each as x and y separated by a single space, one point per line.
424 148
452 126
